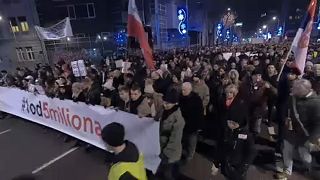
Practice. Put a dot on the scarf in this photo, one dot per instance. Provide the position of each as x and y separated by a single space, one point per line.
167 113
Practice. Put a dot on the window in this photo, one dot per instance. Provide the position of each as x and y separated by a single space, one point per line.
91 10
85 11
81 11
14 24
71 12
30 53
20 54
23 23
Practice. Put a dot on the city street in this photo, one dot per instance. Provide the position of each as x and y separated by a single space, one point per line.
29 148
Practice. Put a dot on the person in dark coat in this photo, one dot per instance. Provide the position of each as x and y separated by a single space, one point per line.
238 150
302 128
192 111
93 91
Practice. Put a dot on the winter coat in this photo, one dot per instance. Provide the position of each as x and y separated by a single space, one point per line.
171 131
308 110
93 95
192 112
203 91
140 107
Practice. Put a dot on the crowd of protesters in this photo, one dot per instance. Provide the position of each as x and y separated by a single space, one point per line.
199 91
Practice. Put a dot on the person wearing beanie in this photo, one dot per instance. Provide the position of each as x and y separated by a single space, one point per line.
127 161
302 129
236 146
171 131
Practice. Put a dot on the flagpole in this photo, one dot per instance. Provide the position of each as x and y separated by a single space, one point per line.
286 59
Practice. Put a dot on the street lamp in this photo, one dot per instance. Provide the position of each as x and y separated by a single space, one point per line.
264 26
229 9
0 18
274 18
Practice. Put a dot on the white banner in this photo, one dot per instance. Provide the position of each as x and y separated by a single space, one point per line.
58 31
78 68
82 121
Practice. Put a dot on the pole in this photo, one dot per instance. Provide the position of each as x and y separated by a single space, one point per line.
143 15
287 57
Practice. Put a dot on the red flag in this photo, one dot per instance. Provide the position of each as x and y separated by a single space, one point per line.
301 41
136 29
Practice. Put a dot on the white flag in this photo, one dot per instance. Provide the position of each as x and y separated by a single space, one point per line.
58 31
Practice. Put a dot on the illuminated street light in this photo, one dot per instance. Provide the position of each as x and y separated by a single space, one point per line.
0 18
229 9
105 38
274 18
99 37
264 26
68 39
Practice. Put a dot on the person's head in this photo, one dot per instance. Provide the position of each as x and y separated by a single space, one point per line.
271 69
124 93
244 63
221 71
196 77
171 99
155 75
256 76
234 75
233 65
267 61
62 89
4 72
309 67
256 62
29 79
225 80
135 92
76 89
215 67
186 88
231 91
301 88
113 135
87 82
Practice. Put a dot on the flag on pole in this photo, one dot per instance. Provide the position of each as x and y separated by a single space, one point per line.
136 29
301 41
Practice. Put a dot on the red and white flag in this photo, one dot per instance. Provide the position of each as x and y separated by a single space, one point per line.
136 29
301 41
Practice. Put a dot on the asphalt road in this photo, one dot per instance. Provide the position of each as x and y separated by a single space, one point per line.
27 148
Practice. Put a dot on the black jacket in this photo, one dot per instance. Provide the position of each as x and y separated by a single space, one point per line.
93 95
192 111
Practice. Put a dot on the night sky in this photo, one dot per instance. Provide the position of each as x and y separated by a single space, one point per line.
249 11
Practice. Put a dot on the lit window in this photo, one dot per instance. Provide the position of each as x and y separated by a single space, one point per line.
23 23
30 53
20 54
14 24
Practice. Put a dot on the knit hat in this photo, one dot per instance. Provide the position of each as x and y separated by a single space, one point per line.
171 96
257 71
113 134
149 89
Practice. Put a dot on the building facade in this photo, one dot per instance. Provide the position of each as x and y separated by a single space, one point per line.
19 43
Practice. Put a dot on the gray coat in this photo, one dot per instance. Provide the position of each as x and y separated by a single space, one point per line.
171 130
308 113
